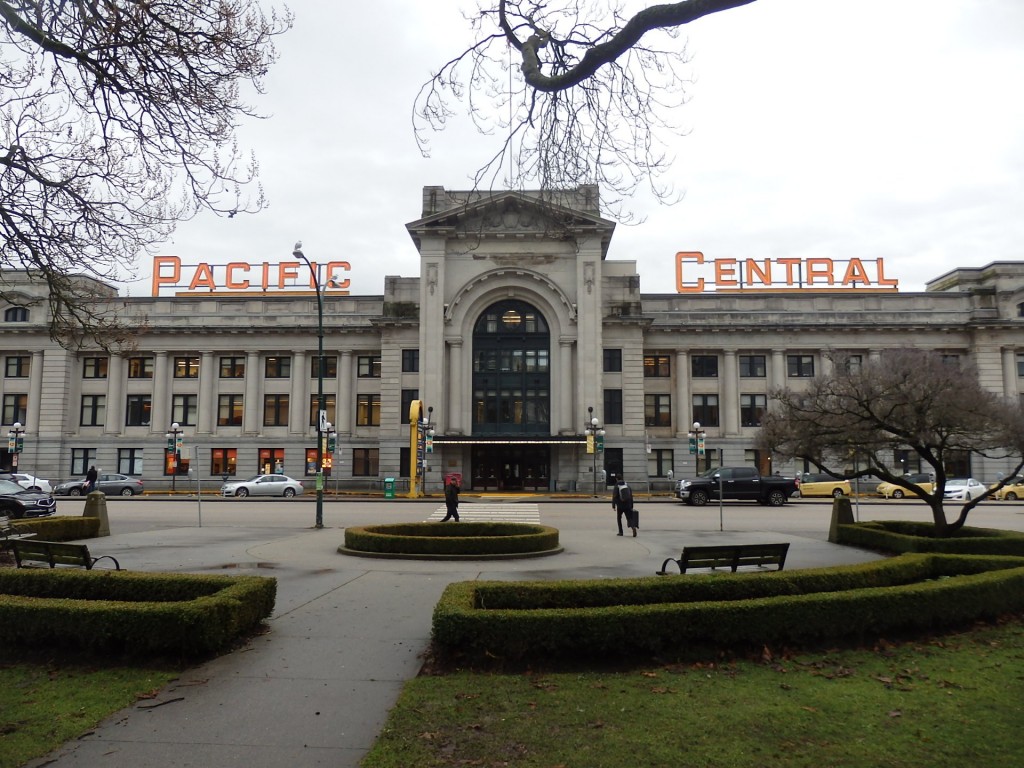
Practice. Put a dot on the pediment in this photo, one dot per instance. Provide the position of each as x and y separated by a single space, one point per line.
508 214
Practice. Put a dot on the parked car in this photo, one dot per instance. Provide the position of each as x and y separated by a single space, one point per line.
17 502
28 481
109 483
963 489
736 483
1012 491
823 485
263 485
921 479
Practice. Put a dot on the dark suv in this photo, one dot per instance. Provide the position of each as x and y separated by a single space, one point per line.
17 502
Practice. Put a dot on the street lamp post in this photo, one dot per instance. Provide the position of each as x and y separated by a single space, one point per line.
595 440
174 446
697 444
321 422
16 443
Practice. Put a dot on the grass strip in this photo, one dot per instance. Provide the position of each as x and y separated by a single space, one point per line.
956 699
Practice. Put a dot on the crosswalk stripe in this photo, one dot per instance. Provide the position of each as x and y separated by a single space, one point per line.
490 512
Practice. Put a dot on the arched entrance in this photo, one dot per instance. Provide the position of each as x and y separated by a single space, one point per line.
511 397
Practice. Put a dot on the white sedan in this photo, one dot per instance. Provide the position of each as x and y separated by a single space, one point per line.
31 482
263 485
963 489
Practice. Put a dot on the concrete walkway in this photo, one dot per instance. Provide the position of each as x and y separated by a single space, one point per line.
347 632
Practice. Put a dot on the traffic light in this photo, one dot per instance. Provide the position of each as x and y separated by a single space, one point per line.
332 442
600 443
693 443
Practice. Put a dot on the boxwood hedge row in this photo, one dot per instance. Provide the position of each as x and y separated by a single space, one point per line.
463 539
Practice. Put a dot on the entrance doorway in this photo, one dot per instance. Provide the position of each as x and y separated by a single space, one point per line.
510 467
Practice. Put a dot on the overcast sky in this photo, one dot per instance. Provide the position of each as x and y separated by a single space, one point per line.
874 129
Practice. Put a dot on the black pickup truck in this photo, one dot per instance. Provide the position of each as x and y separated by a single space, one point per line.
737 483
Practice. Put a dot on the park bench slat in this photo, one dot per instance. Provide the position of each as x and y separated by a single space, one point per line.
54 553
731 556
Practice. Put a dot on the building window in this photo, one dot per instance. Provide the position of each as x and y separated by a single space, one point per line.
271 461
186 367
752 366
330 367
704 366
184 409
278 367
404 465
613 406
752 408
800 366
613 464
368 410
15 409
368 367
16 315
705 410
659 462
1020 365
408 395
314 409
950 358
129 461
1020 309
94 368
657 366
275 410
81 460
613 361
137 410
232 367
94 408
16 366
657 410
365 462
410 361
140 368
853 363
229 410
223 461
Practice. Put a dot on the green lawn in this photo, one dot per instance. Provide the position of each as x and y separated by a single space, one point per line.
955 700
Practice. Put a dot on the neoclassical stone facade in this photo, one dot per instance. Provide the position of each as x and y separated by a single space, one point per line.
520 321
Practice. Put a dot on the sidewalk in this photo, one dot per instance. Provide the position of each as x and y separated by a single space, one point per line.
348 632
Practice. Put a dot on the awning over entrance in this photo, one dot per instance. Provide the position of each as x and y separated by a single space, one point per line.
509 440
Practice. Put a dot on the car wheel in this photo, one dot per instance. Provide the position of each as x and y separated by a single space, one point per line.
897 494
75 492
1011 496
837 493
289 492
242 492
776 499
127 492
698 498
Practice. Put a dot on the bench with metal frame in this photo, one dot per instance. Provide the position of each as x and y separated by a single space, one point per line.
54 553
9 533
731 556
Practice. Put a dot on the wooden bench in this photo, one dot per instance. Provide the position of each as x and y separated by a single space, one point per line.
9 533
730 556
55 553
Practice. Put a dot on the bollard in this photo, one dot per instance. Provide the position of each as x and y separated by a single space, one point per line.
842 514
96 506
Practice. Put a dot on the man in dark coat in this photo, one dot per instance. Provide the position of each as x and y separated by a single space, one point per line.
622 503
90 479
451 500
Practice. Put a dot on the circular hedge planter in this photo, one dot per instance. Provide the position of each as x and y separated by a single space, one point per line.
451 541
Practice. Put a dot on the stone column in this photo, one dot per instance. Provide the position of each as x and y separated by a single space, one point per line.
112 425
160 410
299 394
777 374
683 408
565 416
207 416
252 405
34 412
344 408
456 400
1010 377
730 395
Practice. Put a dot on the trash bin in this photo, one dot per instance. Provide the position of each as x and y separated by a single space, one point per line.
389 487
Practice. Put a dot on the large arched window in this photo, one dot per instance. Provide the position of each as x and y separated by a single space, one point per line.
511 371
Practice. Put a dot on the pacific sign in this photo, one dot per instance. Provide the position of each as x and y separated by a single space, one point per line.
694 274
171 276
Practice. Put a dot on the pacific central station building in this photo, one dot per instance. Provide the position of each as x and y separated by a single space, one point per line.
519 334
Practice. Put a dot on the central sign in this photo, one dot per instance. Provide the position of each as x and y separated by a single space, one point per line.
695 274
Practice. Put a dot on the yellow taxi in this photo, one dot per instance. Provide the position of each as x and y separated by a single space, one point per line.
823 485
1012 491
893 491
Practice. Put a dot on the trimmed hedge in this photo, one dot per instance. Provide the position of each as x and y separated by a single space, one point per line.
464 539
59 527
903 536
485 621
140 614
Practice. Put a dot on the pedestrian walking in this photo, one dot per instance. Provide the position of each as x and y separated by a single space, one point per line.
451 500
622 503
90 479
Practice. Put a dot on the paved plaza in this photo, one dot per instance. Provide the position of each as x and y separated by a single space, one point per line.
347 632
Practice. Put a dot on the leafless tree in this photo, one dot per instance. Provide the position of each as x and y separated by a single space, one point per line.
852 421
576 92
119 121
